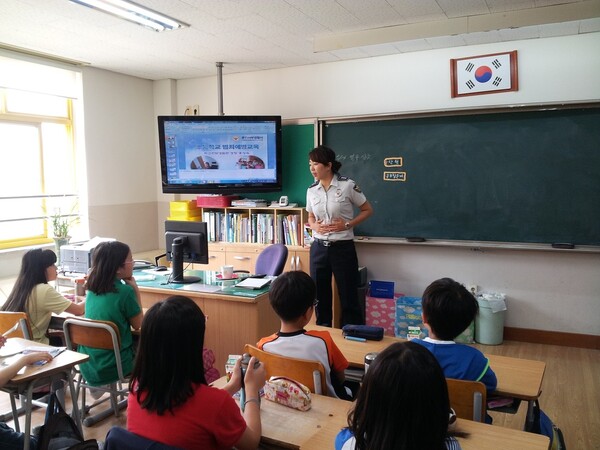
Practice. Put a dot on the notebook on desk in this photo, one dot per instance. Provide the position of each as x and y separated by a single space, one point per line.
253 283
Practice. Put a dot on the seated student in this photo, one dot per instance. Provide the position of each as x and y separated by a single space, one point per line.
112 295
9 438
402 404
33 295
448 309
292 296
170 401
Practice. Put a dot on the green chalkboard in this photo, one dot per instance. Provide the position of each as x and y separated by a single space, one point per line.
528 176
297 140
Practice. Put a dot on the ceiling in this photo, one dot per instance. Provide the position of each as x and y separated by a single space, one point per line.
250 35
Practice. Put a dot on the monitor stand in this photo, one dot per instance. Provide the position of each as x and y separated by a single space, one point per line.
177 266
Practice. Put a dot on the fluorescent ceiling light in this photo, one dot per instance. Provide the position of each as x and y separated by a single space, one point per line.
134 13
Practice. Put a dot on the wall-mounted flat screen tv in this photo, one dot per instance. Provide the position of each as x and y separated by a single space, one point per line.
220 154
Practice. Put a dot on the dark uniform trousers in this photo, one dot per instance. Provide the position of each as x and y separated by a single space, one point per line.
340 258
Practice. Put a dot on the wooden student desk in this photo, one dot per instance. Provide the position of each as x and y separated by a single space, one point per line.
480 436
517 378
60 367
316 428
236 316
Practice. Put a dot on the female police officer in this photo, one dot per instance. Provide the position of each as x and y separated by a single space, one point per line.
330 202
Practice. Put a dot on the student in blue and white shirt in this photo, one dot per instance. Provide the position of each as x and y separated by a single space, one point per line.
402 404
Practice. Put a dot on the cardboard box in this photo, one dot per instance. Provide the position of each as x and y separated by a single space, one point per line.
408 314
467 336
216 201
381 289
381 312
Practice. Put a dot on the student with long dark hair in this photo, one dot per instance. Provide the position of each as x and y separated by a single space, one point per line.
33 295
112 295
402 404
170 401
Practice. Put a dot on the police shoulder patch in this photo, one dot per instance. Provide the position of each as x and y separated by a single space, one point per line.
357 189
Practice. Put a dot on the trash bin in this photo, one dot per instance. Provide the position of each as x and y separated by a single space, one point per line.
489 323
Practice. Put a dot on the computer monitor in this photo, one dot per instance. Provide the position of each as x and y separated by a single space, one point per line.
186 241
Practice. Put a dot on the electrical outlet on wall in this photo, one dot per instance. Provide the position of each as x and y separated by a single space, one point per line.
192 110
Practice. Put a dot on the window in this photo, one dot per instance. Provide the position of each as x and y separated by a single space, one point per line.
38 170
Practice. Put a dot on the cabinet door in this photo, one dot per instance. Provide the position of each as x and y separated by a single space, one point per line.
216 258
298 260
242 258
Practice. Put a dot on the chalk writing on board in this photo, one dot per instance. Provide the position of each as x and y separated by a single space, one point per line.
393 161
394 176
355 157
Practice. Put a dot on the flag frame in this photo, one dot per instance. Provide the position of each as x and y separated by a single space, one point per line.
457 77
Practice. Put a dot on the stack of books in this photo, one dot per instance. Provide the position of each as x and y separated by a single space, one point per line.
249 202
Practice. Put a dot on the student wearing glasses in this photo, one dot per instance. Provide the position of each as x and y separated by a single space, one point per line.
112 295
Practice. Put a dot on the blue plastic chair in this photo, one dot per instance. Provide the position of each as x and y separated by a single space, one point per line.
119 438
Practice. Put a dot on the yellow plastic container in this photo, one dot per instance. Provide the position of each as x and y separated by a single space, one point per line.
182 205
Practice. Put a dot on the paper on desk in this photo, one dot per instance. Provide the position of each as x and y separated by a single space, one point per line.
199 287
253 283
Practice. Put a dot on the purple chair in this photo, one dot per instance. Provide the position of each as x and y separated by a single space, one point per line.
271 261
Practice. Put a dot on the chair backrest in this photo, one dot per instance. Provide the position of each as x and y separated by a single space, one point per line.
309 373
9 318
99 334
468 399
121 439
271 261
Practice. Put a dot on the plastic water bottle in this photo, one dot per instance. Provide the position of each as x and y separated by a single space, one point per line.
245 361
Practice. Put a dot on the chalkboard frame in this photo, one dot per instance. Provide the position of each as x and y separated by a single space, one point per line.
473 244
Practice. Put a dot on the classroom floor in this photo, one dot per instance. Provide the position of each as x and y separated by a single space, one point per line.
570 394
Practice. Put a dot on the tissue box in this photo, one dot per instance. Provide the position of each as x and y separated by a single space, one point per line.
381 312
408 314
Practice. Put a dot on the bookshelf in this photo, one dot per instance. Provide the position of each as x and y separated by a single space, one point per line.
237 234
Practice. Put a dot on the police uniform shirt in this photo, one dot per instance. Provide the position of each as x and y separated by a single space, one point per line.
336 202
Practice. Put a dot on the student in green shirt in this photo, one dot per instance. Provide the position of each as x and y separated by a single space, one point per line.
112 295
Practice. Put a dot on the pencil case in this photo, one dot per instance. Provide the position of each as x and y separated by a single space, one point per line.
368 332
288 392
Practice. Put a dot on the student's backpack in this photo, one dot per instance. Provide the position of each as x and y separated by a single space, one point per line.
543 425
60 432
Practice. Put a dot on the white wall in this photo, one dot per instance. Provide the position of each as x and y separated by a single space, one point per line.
554 291
550 71
121 157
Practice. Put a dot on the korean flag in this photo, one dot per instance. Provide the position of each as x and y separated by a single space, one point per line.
483 74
